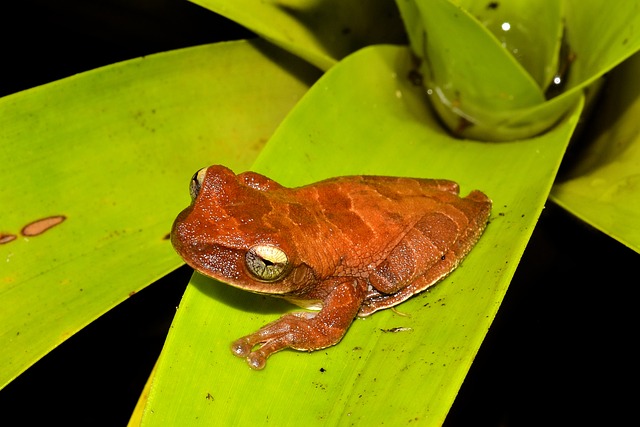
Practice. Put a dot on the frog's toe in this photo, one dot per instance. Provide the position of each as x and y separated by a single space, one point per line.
256 360
241 347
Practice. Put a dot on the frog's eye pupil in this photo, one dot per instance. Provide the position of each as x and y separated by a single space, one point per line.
196 183
267 263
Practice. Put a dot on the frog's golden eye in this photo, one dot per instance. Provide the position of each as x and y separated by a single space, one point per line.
267 263
196 183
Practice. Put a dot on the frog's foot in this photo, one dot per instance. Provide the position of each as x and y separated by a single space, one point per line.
300 331
307 331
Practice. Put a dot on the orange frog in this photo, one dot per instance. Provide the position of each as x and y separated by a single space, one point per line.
346 246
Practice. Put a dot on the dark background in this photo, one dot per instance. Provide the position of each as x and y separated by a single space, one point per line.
561 350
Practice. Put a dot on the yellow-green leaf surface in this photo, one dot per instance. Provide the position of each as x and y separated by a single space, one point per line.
362 117
320 31
601 35
459 52
515 24
112 150
478 83
604 186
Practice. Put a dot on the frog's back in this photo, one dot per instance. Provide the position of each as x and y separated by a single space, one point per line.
361 219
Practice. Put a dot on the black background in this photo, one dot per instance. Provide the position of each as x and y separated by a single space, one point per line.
561 350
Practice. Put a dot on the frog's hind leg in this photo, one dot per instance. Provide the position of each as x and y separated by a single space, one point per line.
435 245
376 300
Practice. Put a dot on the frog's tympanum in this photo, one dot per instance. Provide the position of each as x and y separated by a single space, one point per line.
346 246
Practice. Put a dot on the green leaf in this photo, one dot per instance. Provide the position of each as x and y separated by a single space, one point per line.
601 35
516 23
478 84
362 116
108 150
603 188
319 31
464 59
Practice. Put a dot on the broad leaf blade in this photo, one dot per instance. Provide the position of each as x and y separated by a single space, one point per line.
319 31
106 149
363 116
604 185
517 24
479 89
600 36
603 189
464 59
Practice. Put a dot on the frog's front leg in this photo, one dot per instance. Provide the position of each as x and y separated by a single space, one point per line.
306 331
